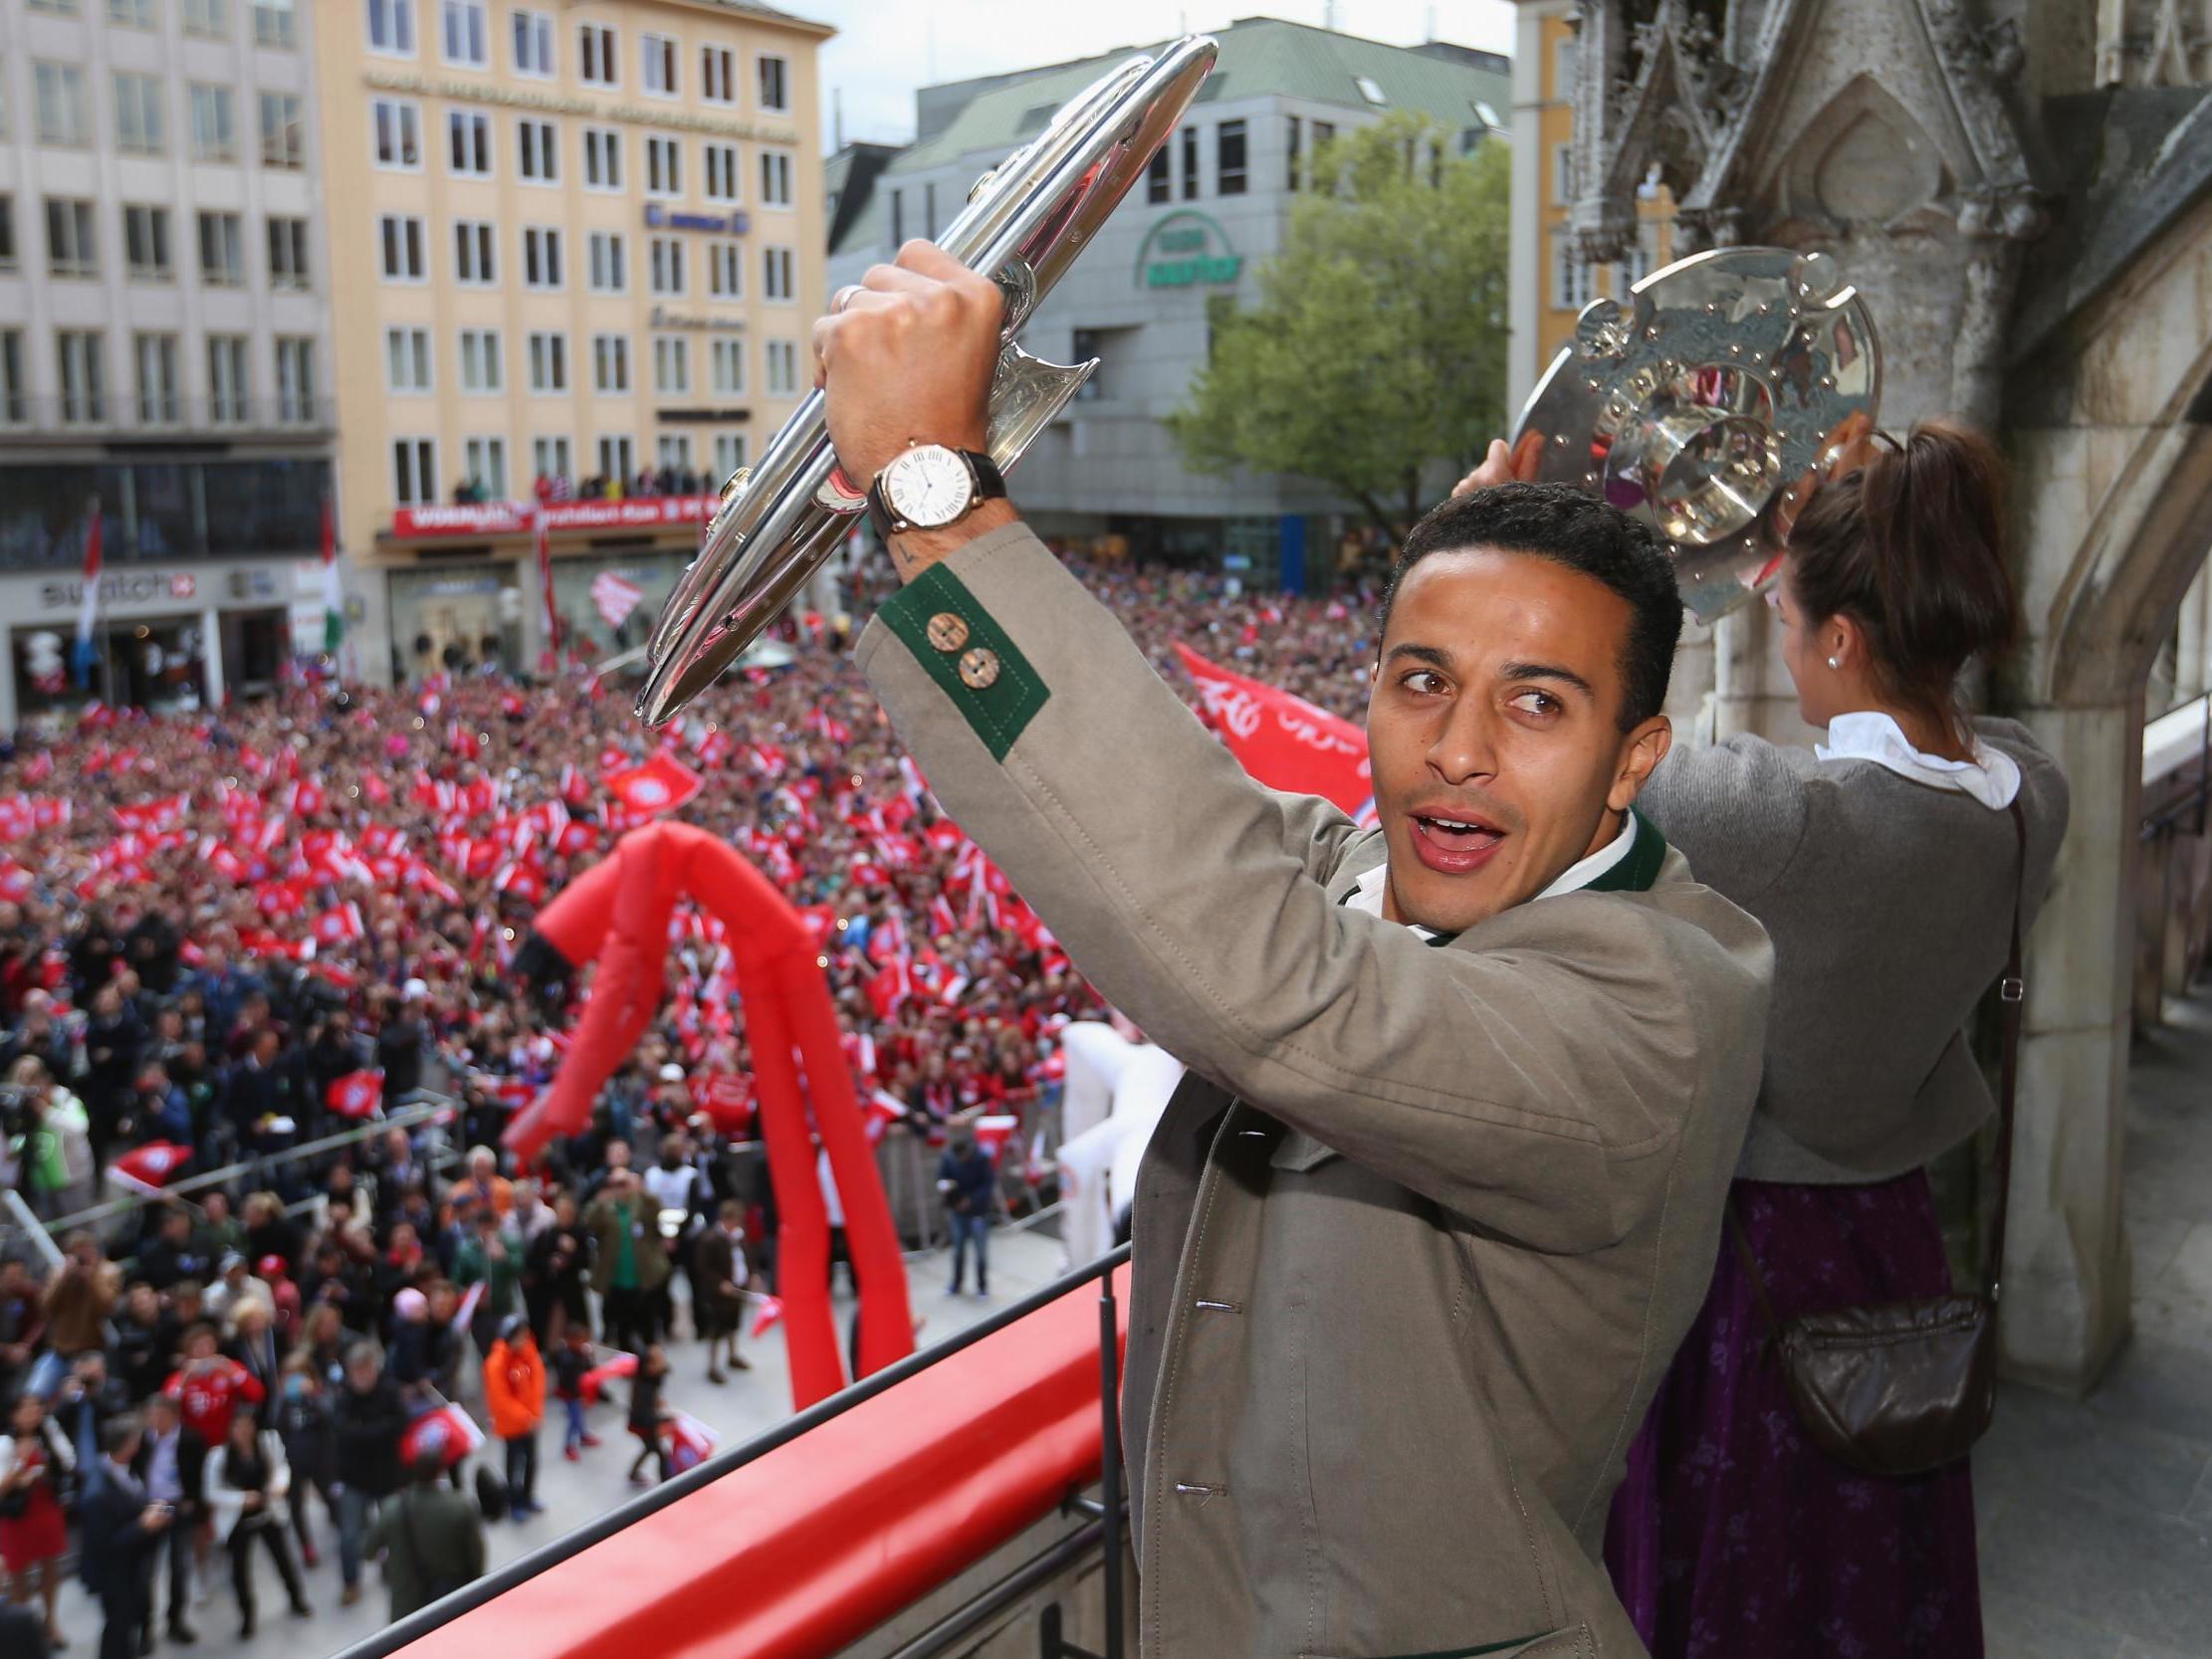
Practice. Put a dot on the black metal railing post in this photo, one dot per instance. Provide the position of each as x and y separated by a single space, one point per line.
1109 1440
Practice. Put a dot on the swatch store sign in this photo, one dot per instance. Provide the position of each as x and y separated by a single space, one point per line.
135 588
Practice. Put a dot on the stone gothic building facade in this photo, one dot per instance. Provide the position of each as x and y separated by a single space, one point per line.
2023 191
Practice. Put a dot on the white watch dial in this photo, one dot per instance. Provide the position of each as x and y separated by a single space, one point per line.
927 485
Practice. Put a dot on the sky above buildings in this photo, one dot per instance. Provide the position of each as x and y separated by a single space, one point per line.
886 48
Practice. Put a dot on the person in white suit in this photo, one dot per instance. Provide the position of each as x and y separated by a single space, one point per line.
245 1483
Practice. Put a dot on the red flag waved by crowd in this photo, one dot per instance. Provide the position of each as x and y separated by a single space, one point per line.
1283 740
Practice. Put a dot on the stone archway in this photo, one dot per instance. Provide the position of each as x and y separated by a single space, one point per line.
2114 455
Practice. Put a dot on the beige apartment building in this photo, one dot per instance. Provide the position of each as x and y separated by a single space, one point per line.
575 252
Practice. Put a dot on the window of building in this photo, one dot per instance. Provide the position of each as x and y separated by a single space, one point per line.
7 233
721 162
1157 187
609 266
611 363
929 210
1229 158
549 362
1291 177
1190 162
479 361
541 256
468 134
475 260
209 19
775 84
135 14
296 380
1570 283
406 360
287 253
534 43
776 179
284 135
725 270
539 149
155 357
898 219
603 158
783 369
726 362
222 250
1562 174
467 34
549 457
657 61
145 244
15 406
139 127
1562 69
58 8
405 257
484 461
1324 135
58 91
391 27
675 452
276 24
81 355
730 455
718 74
667 260
596 63
397 126
214 122
71 248
775 274
227 384
415 472
1371 89
617 459
664 166
670 366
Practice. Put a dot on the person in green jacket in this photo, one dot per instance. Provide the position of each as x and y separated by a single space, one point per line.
628 1263
492 1255
430 1538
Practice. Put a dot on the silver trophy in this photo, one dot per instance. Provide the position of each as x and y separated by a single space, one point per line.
1708 402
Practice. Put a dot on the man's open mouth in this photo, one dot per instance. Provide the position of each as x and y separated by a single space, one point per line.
1454 843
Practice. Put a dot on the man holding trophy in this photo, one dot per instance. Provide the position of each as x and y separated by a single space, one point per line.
1417 1238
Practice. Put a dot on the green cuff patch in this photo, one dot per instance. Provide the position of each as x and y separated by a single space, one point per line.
968 655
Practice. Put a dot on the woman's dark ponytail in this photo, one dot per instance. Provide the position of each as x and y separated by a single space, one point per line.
1911 545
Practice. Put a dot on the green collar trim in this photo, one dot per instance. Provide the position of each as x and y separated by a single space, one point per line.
1636 872
1474 1652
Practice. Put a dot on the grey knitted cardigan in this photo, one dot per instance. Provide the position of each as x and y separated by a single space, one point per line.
1890 903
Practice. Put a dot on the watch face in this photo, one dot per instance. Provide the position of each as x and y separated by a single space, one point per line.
927 485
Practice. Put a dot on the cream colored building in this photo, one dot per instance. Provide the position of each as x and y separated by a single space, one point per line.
571 241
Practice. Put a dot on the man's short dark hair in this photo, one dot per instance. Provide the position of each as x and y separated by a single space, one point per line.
117 1432
1571 527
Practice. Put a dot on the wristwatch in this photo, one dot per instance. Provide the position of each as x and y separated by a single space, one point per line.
929 486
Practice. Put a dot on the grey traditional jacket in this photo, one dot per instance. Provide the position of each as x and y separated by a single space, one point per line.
1419 1236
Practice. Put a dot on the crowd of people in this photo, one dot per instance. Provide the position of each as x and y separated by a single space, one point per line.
224 936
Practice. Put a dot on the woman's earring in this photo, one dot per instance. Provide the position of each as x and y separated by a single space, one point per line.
1835 662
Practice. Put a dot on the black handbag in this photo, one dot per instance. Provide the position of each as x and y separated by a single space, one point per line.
1902 1387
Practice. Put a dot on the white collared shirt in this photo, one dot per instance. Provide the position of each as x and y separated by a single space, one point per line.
1366 891
1992 777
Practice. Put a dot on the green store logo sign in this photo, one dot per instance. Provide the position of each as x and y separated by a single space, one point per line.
1186 248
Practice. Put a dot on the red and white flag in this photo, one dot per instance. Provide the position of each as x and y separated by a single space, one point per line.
616 596
689 1441
356 1094
992 1133
148 1168
340 922
661 784
447 1432
768 1309
1283 740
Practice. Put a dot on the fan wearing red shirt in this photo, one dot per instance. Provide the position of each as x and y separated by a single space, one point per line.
210 1389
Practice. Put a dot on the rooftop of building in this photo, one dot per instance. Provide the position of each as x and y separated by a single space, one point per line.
763 14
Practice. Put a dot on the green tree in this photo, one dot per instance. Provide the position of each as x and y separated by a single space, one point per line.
1378 345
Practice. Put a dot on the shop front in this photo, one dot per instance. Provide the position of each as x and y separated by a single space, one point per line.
455 617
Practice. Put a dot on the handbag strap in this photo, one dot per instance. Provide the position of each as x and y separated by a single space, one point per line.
2012 994
2012 991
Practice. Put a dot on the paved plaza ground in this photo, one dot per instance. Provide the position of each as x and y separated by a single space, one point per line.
2095 1517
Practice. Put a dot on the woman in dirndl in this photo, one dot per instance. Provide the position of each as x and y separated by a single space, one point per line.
35 1459
1886 864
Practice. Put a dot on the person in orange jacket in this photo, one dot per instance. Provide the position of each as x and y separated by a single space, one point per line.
515 1389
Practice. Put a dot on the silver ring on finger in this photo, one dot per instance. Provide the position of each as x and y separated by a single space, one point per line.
843 296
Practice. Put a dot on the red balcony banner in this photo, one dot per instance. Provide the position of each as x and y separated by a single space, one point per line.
512 517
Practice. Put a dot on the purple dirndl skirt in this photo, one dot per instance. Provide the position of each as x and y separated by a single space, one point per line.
1734 1537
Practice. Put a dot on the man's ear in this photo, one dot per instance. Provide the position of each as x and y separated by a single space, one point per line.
1640 751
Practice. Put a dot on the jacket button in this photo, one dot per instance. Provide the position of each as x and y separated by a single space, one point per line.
947 631
979 669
